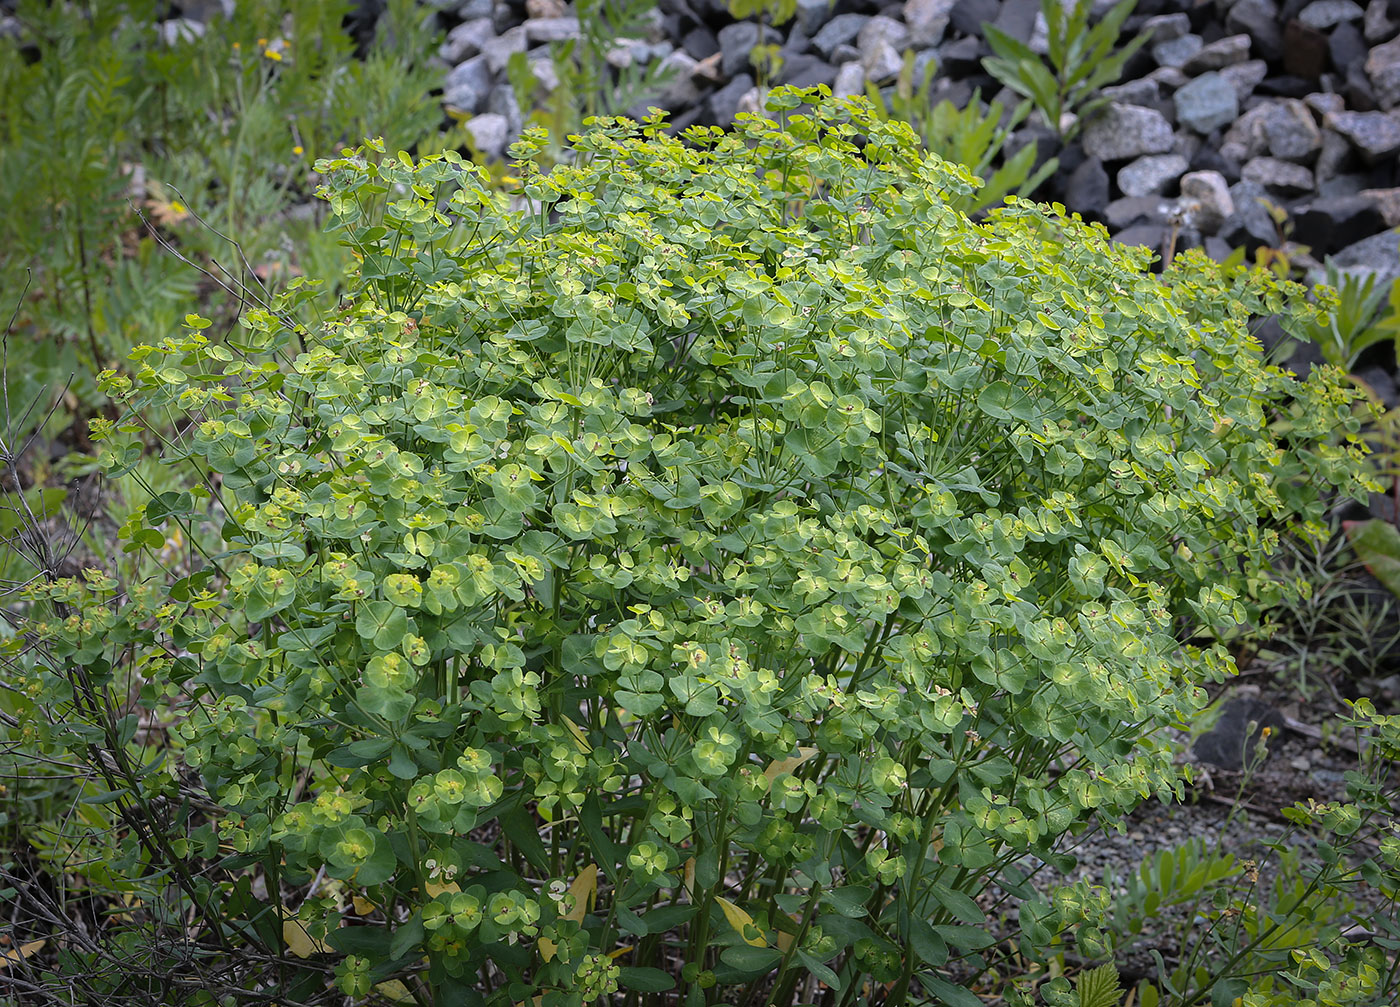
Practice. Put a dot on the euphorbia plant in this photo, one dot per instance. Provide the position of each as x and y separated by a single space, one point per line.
722 572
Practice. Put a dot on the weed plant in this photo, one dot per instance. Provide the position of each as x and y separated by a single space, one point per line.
115 139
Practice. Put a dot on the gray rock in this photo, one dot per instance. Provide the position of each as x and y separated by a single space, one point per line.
1329 223
806 70
737 42
1324 14
503 102
1233 741
551 29
1143 91
1376 27
1176 51
1324 104
1259 19
751 101
497 51
1168 78
473 9
1341 185
467 85
1206 197
1131 210
625 52
1224 52
1150 175
1151 236
1386 202
490 133
545 8
927 21
1245 77
882 29
850 80
1207 103
466 40
845 53
543 70
1086 190
1247 136
839 30
1188 145
1378 255
1120 132
1251 224
724 103
1375 135
1165 27
812 14
1334 158
683 91
1291 131
882 62
1383 68
968 16
1283 177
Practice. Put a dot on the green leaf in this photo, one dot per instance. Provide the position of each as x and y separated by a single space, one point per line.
959 904
1377 545
407 937
927 943
748 958
948 994
819 969
645 980
522 831
383 624
1099 987
1003 401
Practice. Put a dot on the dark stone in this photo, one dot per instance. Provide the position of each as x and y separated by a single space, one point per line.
1130 210
724 103
1209 158
1251 225
1285 86
1305 51
1086 191
1217 248
700 43
806 71
1151 236
963 57
1260 21
1347 46
1378 254
1382 384
1330 224
1360 95
1231 743
737 42
1018 20
840 30
968 15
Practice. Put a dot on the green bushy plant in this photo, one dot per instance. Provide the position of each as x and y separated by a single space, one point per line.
706 583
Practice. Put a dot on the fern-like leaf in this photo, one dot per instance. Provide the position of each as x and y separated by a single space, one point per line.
1099 987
